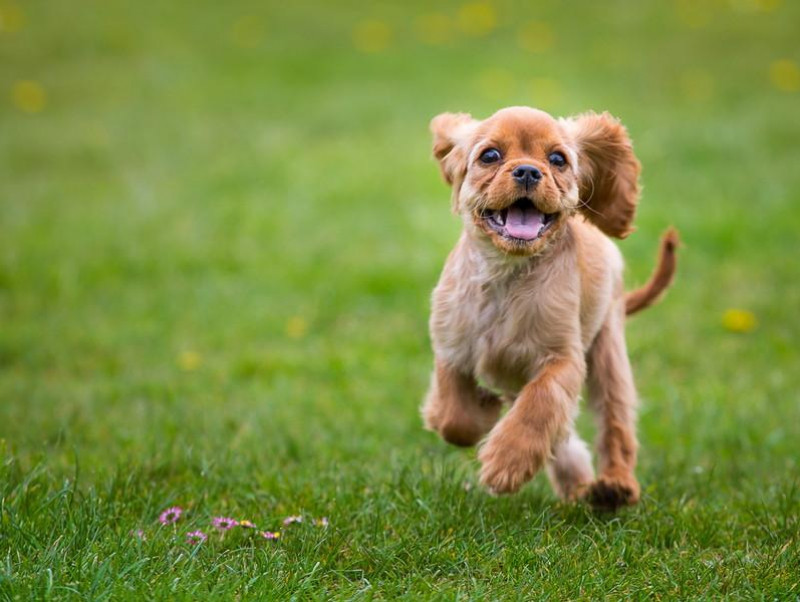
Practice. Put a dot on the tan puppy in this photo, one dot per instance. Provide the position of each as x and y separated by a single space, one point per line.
531 301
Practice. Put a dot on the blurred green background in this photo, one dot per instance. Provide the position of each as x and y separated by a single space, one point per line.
219 229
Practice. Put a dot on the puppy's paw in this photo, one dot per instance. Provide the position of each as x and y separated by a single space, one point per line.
431 413
464 423
510 458
610 493
570 470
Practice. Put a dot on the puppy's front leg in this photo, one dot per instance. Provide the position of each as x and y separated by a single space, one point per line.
457 408
523 440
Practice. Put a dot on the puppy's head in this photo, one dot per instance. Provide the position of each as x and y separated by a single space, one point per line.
518 175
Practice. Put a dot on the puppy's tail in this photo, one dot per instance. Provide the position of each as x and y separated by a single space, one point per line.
645 296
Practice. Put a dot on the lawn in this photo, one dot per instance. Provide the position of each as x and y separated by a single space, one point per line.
219 228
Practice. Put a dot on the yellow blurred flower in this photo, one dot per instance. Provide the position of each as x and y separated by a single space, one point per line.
496 84
188 361
750 6
11 18
739 320
434 28
29 96
296 327
785 75
694 13
535 36
477 18
372 36
247 31
697 85
767 5
544 92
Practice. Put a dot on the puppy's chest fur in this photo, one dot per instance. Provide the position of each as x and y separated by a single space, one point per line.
502 320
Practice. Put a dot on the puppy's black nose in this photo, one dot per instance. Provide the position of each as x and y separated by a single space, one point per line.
527 175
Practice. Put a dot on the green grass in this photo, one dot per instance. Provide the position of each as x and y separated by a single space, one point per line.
259 193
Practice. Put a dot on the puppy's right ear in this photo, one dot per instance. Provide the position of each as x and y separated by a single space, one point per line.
450 133
609 172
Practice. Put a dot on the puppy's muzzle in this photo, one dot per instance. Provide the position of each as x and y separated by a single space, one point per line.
521 221
527 175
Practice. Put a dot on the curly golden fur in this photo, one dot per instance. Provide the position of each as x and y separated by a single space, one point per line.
531 303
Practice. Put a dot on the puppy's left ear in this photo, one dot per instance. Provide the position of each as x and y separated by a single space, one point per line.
450 132
608 172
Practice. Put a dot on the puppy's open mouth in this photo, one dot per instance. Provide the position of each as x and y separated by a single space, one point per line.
521 221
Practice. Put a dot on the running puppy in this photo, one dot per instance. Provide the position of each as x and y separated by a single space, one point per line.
531 300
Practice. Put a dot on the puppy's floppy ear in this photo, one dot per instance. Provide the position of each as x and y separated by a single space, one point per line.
608 172
450 131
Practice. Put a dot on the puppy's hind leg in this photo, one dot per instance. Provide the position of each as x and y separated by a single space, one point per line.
570 470
457 408
612 396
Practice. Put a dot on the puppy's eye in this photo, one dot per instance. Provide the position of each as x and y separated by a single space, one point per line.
558 159
490 155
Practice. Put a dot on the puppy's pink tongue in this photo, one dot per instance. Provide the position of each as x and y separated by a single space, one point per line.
524 222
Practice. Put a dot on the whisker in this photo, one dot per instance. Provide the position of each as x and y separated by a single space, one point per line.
585 204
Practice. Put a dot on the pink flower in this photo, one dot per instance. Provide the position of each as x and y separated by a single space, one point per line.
292 519
270 534
321 522
139 534
170 516
196 537
223 523
246 524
